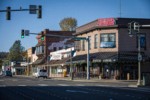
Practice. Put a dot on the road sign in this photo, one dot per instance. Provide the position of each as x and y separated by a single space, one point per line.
32 9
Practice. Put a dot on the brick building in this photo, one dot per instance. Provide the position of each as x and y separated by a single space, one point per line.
113 53
50 44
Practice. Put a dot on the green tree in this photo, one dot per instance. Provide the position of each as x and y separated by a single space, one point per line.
15 52
68 24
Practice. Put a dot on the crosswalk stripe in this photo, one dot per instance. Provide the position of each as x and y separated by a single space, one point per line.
42 84
63 84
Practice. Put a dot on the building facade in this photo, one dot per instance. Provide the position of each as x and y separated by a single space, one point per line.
49 44
113 53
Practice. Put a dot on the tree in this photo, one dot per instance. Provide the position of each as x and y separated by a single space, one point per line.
3 57
68 24
15 52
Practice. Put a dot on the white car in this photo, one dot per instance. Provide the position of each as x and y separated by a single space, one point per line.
41 73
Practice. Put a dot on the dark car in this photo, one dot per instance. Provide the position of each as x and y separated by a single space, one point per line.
7 73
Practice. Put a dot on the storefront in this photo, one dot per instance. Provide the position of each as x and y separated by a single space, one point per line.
108 65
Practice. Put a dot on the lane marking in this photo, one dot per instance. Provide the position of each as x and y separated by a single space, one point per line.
76 91
22 85
1 80
63 84
80 84
42 84
14 80
2 85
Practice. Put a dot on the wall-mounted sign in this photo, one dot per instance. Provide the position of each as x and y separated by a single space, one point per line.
106 21
56 57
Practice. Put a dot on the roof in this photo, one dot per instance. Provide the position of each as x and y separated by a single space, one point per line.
103 23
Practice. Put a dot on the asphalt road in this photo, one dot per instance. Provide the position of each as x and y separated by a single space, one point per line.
24 88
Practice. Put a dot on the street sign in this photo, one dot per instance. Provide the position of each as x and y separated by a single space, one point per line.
139 57
26 32
32 9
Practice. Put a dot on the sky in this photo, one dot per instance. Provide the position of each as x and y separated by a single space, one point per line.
53 11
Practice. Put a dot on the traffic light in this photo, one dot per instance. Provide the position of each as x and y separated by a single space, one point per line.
42 36
136 27
8 13
22 33
39 11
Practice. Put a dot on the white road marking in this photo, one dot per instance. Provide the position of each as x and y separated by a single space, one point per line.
80 84
22 85
2 85
42 84
77 91
63 84
14 80
1 80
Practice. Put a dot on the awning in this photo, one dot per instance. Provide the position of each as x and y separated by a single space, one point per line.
58 62
110 57
95 57
39 61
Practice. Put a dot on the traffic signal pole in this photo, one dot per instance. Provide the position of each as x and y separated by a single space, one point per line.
134 29
9 10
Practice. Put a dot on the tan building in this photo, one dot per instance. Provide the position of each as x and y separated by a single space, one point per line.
113 53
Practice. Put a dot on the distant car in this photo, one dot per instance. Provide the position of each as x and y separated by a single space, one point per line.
7 73
41 73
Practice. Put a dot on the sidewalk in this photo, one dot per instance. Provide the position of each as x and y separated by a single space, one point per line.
129 83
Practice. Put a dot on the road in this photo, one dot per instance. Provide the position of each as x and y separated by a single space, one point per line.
26 88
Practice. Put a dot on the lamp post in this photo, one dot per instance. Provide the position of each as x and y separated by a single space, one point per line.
71 72
88 68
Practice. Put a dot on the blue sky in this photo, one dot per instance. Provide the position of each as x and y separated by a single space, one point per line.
55 10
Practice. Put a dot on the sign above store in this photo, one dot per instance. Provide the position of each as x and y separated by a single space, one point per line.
106 21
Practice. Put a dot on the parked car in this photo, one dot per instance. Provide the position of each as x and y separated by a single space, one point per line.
41 73
7 73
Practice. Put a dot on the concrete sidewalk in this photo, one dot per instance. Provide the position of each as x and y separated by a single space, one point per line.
129 83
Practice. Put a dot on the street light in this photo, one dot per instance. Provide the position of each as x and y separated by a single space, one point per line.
88 57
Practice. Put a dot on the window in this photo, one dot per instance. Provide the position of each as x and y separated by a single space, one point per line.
108 40
83 45
54 48
95 41
89 42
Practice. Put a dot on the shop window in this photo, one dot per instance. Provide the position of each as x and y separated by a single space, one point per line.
108 40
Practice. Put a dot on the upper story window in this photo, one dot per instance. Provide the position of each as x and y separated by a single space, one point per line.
39 49
95 41
83 45
89 42
108 40
54 48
